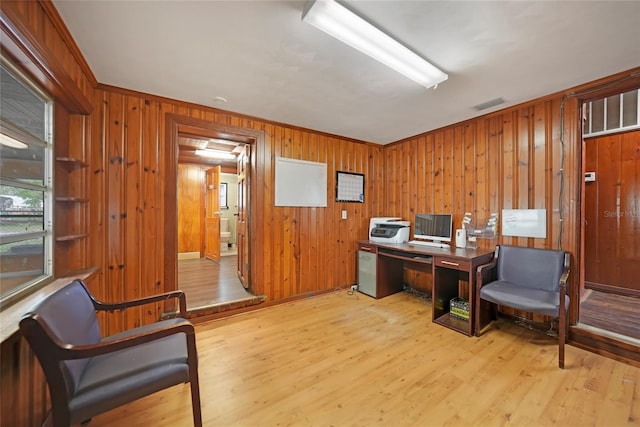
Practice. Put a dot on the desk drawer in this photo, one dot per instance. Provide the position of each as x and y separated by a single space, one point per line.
453 263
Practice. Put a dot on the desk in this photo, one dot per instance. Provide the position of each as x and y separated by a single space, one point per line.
447 267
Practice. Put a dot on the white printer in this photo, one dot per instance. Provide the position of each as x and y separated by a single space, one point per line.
389 230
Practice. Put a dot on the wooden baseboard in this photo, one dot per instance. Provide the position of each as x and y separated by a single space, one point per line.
612 289
598 342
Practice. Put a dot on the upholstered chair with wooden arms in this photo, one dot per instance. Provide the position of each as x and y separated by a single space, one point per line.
527 279
88 375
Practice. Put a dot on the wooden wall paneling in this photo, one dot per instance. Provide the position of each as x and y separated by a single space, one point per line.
481 168
470 157
539 163
494 161
458 180
508 166
265 198
98 161
629 231
151 207
131 214
116 234
523 178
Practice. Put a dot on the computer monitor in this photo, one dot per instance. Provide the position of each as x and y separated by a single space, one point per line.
435 227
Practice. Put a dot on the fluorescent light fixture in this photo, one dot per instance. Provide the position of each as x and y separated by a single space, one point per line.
215 154
339 22
8 141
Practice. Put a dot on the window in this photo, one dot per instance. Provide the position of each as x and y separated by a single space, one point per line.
612 114
26 195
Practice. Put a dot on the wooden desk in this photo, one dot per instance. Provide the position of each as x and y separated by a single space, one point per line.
448 267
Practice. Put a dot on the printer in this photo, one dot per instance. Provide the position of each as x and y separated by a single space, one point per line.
389 230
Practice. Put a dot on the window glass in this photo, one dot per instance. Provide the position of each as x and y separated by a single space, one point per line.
613 112
25 185
630 108
597 116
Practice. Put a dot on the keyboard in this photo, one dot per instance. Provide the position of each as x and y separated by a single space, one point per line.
430 244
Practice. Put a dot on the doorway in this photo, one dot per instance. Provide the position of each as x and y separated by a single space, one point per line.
610 299
210 285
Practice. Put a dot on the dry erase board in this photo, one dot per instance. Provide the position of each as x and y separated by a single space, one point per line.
300 183
524 223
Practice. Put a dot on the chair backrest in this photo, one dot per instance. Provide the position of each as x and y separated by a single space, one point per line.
71 318
530 267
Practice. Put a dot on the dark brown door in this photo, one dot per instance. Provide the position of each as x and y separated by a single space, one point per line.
612 213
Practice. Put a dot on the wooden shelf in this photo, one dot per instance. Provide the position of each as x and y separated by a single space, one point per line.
70 237
70 163
454 323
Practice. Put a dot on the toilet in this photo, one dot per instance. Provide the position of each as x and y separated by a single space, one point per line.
225 234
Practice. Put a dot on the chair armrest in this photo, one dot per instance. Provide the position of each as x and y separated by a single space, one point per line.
486 273
565 273
105 306
65 351
121 305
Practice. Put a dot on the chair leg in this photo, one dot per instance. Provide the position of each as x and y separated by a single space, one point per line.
562 337
194 381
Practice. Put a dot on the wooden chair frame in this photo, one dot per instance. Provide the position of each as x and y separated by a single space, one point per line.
50 351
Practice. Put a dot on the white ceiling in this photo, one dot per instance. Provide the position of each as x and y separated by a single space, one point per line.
267 63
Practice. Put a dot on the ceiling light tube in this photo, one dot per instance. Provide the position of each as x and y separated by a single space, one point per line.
215 154
8 141
339 22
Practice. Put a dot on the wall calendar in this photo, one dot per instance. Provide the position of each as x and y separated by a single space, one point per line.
349 187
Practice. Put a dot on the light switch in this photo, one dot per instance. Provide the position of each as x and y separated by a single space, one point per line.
344 214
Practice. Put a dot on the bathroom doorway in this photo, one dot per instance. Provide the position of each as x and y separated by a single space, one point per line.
207 212
211 286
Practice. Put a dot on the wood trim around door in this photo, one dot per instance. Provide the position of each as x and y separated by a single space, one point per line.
174 123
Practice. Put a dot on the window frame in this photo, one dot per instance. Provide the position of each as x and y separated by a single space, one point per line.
47 143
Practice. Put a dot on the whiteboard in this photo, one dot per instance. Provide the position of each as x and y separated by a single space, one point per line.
300 183
524 222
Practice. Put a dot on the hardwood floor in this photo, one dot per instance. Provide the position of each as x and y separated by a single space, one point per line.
350 360
610 312
206 282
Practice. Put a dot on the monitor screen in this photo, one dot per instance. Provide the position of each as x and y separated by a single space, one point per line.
436 227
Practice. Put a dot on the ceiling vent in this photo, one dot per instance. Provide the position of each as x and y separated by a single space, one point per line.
489 104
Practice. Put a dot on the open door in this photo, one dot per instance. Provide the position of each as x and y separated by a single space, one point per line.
212 214
242 238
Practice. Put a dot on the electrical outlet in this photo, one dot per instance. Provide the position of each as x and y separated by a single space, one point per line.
354 288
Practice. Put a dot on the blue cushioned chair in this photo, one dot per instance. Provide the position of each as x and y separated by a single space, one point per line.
528 279
87 374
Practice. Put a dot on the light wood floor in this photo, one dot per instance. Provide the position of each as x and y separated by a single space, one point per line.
206 282
340 360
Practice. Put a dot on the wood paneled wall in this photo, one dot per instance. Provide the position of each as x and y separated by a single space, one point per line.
296 250
508 160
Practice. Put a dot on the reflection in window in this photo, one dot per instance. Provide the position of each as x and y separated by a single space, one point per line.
25 185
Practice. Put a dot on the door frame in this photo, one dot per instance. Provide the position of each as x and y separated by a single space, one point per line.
174 125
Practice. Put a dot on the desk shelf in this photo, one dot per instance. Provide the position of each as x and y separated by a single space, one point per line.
452 322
